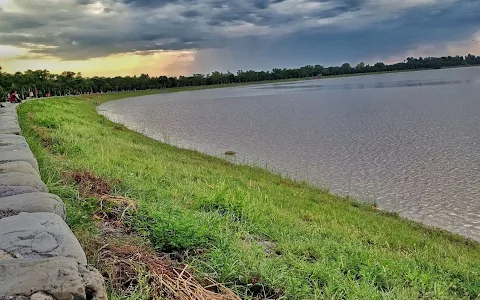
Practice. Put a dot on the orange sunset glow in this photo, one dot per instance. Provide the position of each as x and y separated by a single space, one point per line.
171 63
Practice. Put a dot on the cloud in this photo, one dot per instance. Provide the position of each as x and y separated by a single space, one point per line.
392 39
9 52
253 32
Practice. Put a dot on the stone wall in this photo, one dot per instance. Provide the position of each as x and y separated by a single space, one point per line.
40 258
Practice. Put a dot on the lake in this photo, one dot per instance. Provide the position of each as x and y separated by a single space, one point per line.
409 141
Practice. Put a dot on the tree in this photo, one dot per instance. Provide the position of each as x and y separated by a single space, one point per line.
74 83
379 67
3 94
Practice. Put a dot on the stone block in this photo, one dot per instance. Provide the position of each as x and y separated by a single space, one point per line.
33 202
23 179
6 191
59 277
8 110
9 127
18 167
39 235
9 118
19 154
12 139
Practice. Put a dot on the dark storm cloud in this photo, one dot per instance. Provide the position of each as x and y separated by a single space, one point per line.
285 30
261 4
191 14
14 22
260 12
425 26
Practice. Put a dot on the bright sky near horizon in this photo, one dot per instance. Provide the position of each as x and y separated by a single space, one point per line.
181 37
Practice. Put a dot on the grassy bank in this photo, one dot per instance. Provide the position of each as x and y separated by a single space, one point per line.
261 235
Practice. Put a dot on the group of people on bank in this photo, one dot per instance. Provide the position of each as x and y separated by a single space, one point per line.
15 97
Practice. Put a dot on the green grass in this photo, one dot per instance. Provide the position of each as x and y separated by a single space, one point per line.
258 232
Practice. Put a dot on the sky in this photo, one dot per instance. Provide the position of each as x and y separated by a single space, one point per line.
183 37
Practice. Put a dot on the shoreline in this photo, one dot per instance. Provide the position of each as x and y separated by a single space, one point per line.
200 190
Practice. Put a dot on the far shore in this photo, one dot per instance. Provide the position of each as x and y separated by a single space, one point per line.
280 81
226 85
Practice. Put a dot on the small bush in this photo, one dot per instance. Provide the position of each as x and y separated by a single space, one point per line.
173 230
49 122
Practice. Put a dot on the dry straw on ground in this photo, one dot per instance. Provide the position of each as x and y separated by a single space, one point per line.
168 279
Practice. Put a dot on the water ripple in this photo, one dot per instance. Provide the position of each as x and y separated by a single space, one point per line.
409 141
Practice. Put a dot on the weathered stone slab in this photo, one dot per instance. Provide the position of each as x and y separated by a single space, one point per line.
6 191
19 154
8 110
13 148
17 166
62 278
10 119
9 127
23 179
12 139
33 202
39 235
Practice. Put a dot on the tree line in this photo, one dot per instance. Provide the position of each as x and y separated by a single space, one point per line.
42 82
